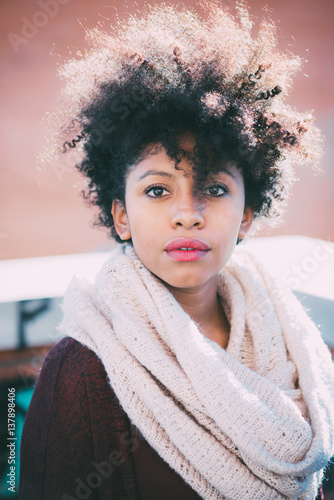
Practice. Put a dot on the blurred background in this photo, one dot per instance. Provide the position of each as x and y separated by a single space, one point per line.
46 231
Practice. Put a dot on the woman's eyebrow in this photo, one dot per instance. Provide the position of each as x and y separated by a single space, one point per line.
230 173
155 172
215 177
167 174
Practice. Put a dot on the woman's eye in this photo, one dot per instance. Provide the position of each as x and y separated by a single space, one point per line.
156 191
217 190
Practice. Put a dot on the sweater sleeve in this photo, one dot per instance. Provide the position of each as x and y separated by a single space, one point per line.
75 441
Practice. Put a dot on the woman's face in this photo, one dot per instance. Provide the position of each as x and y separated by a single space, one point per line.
183 239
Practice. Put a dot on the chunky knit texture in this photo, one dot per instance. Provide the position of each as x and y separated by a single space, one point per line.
253 421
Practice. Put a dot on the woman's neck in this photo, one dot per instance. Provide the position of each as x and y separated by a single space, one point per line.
205 309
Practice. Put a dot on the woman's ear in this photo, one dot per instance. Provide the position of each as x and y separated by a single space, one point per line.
246 222
120 220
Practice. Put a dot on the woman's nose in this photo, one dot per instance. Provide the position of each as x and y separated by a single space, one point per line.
188 213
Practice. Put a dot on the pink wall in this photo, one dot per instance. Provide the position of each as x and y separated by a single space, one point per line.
42 213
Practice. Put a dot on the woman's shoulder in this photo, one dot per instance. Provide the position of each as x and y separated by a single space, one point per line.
70 353
70 373
74 374
68 363
74 421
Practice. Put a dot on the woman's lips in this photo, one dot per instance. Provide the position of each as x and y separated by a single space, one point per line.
186 249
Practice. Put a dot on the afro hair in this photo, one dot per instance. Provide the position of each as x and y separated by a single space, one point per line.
155 78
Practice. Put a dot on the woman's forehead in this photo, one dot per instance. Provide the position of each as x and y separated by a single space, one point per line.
155 155
159 164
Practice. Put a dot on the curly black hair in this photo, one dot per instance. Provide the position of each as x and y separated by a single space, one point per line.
168 74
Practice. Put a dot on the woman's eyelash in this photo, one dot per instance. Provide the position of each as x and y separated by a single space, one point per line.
155 191
217 190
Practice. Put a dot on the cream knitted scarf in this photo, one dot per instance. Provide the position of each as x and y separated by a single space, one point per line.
254 421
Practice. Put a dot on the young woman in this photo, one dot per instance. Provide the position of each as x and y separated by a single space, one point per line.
186 372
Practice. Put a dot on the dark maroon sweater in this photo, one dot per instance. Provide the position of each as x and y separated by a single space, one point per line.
78 443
